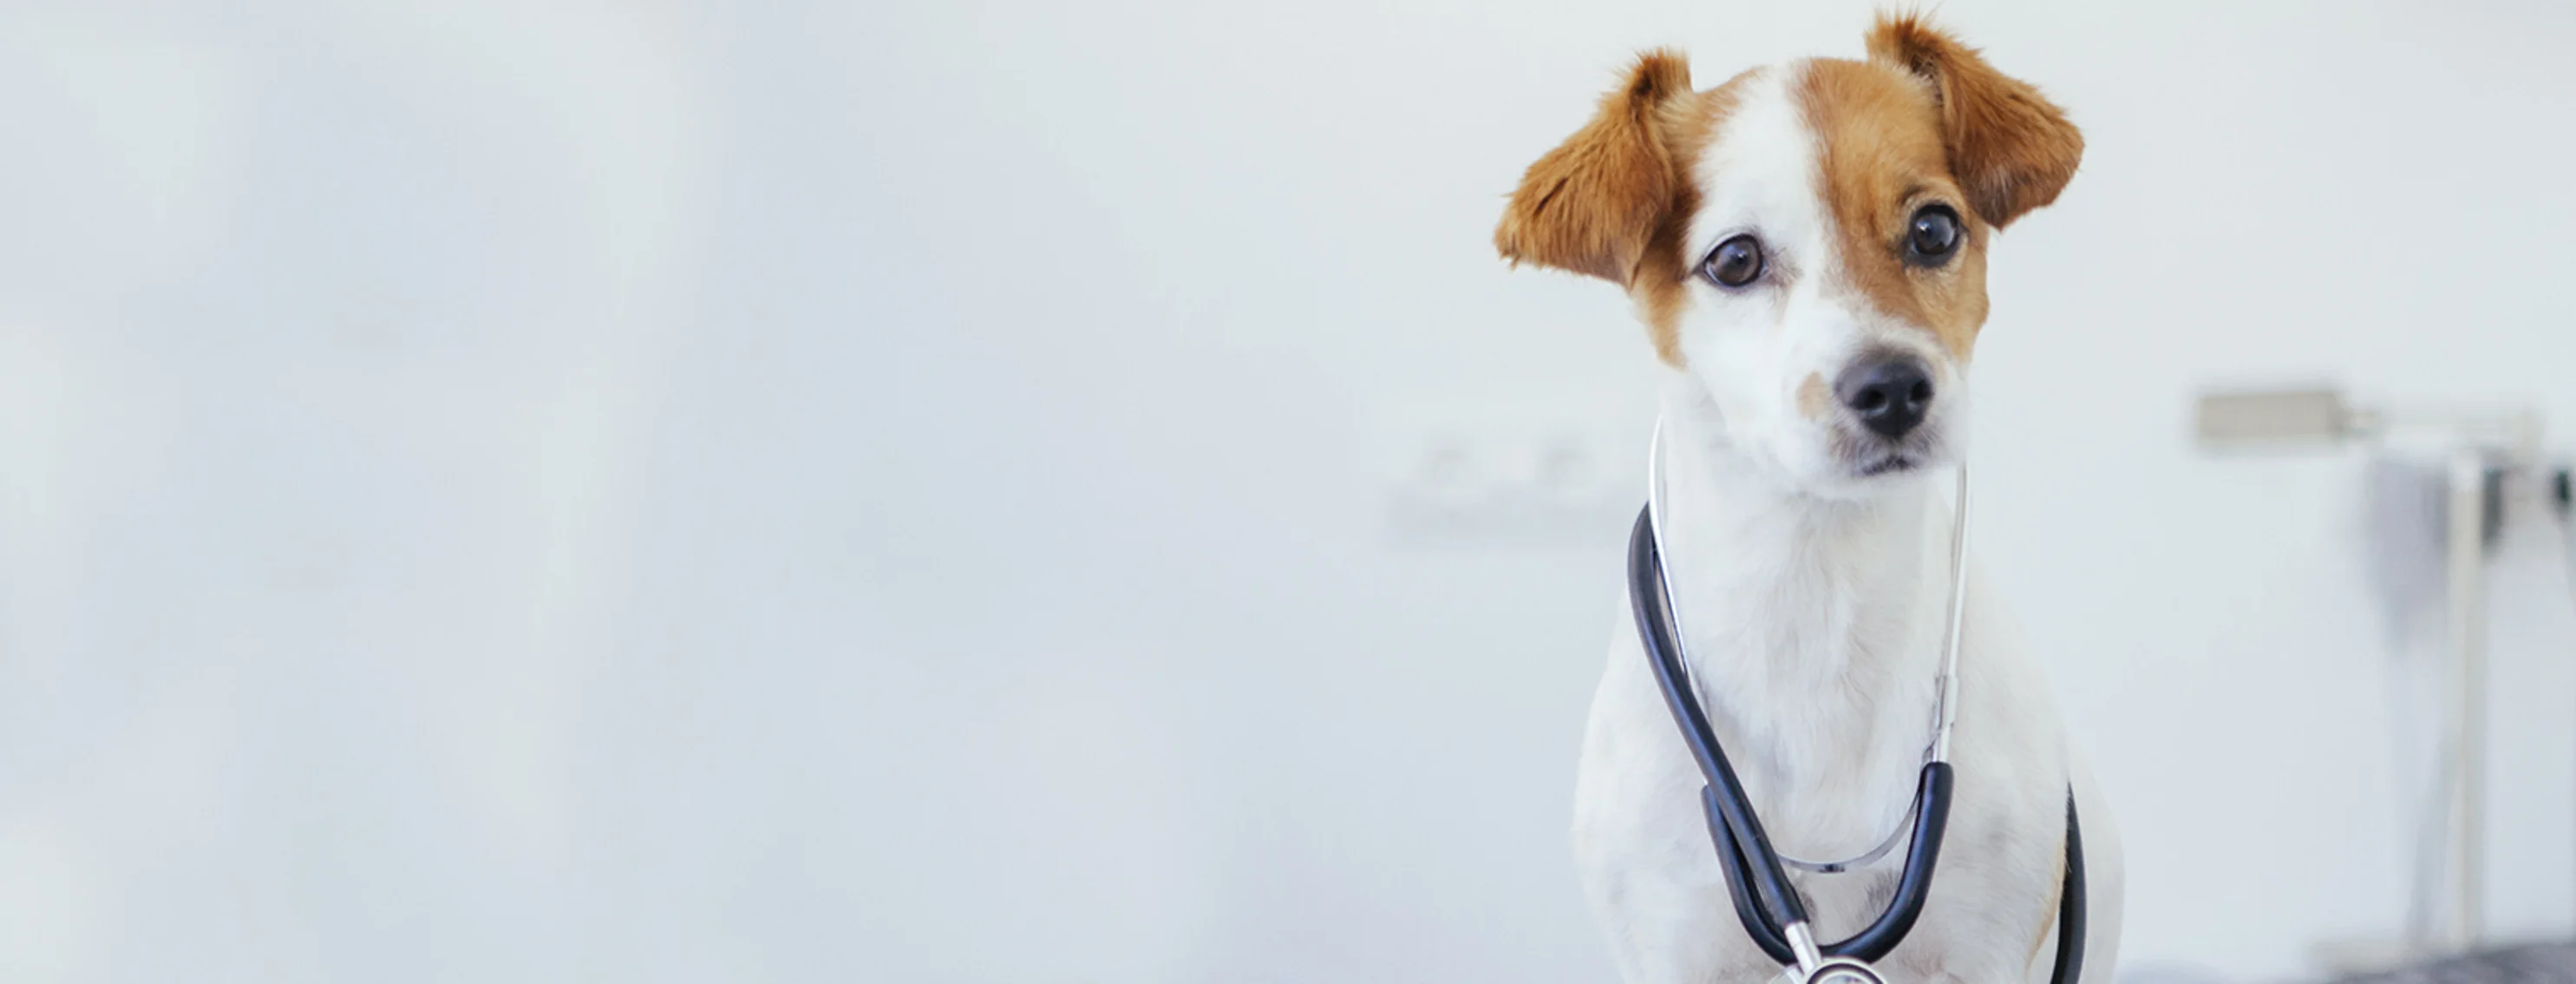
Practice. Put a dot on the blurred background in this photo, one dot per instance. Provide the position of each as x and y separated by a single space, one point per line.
1016 492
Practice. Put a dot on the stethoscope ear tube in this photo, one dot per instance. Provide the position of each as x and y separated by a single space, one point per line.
2071 904
1931 821
1914 886
1747 911
1779 903
1744 850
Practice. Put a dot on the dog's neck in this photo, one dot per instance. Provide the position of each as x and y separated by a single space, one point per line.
1813 626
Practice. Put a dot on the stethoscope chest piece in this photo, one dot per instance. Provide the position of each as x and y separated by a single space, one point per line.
1840 971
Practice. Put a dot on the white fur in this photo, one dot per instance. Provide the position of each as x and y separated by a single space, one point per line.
1811 602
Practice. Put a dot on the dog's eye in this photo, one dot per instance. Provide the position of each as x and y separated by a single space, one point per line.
1734 263
1932 237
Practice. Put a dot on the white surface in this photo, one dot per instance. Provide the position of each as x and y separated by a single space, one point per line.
665 492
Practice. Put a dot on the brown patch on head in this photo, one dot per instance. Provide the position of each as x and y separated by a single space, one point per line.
1927 122
1613 199
1879 158
2011 148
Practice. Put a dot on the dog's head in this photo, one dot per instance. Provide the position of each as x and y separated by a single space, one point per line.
1807 242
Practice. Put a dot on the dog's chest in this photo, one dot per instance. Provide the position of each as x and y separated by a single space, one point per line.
1829 778
1822 694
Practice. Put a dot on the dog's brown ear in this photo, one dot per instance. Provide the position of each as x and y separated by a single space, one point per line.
1590 205
2010 147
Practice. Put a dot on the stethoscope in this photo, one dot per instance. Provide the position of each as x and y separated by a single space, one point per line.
1765 902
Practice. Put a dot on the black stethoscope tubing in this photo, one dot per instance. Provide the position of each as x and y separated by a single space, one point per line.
1765 902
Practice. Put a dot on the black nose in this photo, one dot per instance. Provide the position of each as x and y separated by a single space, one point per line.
1890 393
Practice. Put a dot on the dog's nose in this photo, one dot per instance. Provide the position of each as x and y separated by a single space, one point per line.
1890 393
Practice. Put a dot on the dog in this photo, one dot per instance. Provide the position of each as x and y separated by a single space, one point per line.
1806 246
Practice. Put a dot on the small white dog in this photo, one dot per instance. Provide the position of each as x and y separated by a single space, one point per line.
1806 245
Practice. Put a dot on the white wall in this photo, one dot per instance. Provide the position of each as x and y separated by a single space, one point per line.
727 492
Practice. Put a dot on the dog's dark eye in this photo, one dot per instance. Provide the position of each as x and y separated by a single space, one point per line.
1734 263
1933 236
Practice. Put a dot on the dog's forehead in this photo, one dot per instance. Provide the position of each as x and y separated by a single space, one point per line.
1877 138
1811 136
1825 159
